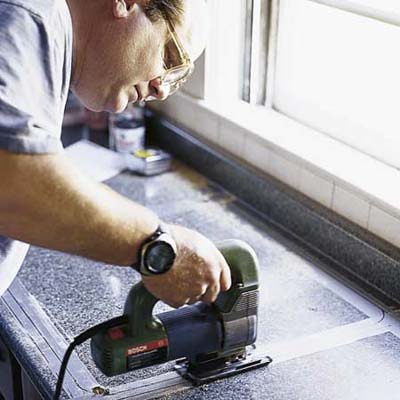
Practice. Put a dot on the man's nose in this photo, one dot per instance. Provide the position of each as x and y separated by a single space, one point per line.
157 90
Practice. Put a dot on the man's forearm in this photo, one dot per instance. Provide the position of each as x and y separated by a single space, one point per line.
45 201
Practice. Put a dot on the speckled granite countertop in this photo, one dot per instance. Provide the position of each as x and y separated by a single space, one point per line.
296 301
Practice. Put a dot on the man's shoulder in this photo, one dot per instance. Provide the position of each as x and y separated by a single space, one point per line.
45 10
35 70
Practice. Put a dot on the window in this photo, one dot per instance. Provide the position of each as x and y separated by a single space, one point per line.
331 65
237 52
306 88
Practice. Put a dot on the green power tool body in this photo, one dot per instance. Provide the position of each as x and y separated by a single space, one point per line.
209 340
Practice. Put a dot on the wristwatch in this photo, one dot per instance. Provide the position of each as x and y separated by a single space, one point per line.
157 254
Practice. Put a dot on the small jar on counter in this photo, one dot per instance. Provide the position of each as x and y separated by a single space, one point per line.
127 130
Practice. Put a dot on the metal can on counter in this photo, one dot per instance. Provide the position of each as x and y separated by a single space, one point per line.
148 162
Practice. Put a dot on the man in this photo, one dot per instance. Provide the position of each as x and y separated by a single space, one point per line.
112 52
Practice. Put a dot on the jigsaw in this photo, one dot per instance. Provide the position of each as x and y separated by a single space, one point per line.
208 341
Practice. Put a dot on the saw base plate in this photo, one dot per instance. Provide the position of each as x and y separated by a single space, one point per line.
210 372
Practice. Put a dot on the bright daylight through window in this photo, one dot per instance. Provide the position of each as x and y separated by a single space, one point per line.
332 65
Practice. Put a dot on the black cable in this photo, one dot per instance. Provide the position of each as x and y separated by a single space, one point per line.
81 339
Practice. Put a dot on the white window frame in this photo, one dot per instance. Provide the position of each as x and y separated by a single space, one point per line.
284 148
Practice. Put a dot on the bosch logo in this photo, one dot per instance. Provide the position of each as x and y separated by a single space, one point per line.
146 347
136 350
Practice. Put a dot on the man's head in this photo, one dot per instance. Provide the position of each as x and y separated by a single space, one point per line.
121 47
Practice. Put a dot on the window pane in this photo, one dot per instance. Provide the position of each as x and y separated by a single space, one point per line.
224 53
339 72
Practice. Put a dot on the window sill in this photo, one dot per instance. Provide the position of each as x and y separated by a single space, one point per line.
353 184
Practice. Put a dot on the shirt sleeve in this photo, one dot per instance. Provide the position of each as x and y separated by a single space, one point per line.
30 104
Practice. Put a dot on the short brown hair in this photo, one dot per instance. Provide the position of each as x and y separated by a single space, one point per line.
169 10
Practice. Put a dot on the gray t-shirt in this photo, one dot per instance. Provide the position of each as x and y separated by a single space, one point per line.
35 70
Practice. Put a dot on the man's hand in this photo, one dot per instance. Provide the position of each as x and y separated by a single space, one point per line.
200 271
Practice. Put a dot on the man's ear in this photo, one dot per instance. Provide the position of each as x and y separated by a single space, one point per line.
124 8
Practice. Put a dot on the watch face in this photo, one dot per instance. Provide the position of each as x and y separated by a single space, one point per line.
159 257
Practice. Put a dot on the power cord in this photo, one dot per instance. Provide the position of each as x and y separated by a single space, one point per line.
83 337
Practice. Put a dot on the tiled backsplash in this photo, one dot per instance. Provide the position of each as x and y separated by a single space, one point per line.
348 199
353 253
384 225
